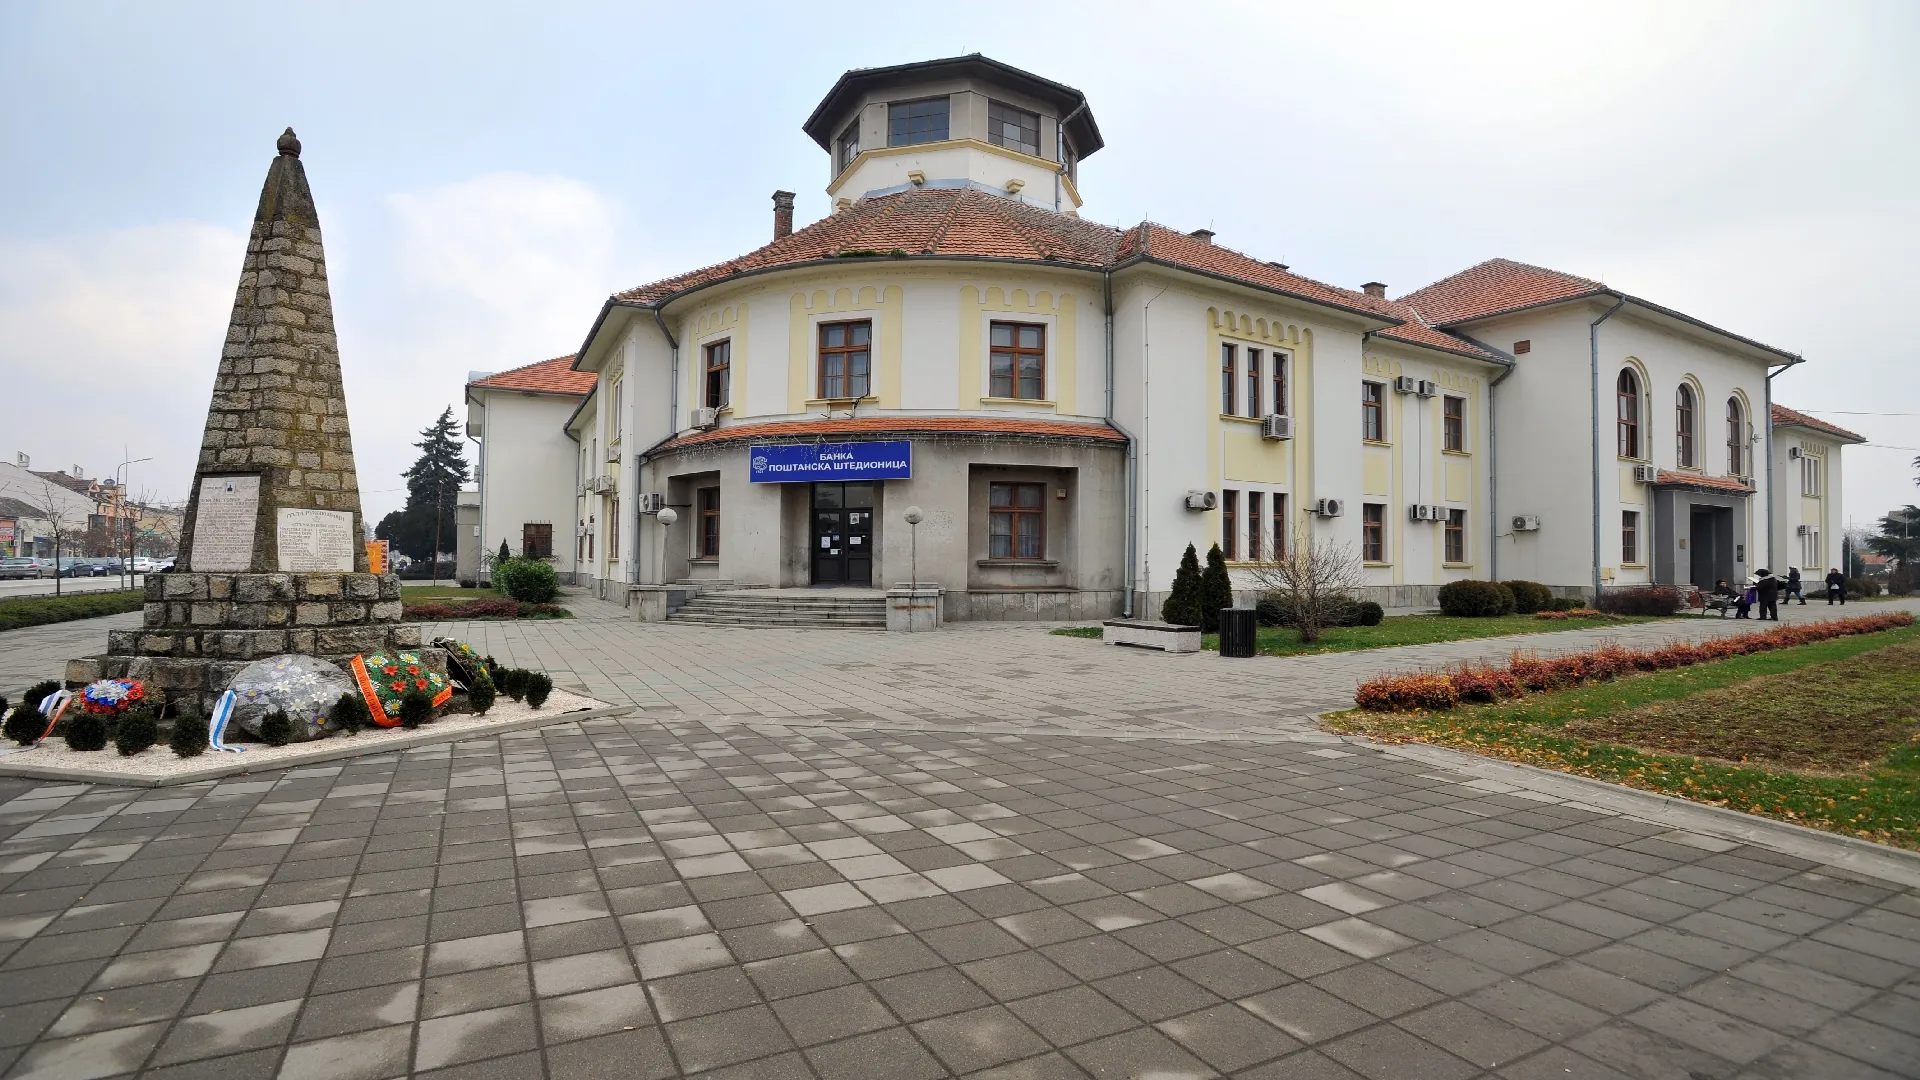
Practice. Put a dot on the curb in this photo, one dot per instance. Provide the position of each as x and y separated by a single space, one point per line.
230 767
1831 849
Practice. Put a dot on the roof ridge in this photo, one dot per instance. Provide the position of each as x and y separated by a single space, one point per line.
570 357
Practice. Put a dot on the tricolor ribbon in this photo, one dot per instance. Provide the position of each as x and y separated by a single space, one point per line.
217 731
53 707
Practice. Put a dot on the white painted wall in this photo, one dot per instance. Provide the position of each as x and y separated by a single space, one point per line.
1821 514
526 468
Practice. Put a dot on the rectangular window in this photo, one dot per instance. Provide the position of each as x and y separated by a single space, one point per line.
1280 383
1810 476
719 374
1227 384
1373 532
613 531
848 146
1017 364
1811 553
1630 536
1253 383
619 398
1372 421
1456 536
536 539
846 358
708 502
1256 521
1229 521
1015 129
1016 521
1280 526
910 122
1453 423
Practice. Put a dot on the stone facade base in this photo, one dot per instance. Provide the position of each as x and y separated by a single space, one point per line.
270 601
199 667
1039 605
913 610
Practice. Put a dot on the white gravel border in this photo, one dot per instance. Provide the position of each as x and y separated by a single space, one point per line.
158 766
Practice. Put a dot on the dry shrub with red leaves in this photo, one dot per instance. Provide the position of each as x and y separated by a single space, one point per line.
1528 672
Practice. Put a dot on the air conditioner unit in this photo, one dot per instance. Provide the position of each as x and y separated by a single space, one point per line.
582 489
1645 474
613 457
1275 426
1202 500
1329 507
1428 388
1420 512
1405 384
603 483
652 502
1439 512
1801 530
1526 522
705 418
1793 453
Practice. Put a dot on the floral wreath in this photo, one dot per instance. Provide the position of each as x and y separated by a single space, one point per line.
111 697
386 677
465 663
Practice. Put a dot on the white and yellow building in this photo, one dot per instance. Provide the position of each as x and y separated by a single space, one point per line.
1068 405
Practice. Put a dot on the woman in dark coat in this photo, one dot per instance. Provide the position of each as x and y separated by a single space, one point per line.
1793 587
1769 589
1836 587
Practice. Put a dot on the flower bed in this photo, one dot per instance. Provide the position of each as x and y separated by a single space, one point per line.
500 608
1527 672
1576 613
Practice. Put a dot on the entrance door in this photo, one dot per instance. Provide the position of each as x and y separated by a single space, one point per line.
843 533
1700 548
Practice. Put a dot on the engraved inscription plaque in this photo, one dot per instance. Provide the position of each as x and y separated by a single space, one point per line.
312 541
223 523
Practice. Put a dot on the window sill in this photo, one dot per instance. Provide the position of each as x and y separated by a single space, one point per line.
1633 566
1374 442
868 400
1240 419
1458 453
1635 461
1038 403
1380 565
1456 566
1017 564
713 560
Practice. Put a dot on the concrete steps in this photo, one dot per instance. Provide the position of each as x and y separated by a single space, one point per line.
749 608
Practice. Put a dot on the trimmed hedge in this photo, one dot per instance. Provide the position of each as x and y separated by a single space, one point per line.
530 581
493 608
1529 596
1476 599
1639 600
1528 672
40 610
1282 609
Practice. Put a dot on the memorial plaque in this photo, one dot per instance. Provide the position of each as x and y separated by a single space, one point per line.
224 522
312 541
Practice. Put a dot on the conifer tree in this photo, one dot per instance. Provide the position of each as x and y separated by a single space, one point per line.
433 488
1216 590
1182 606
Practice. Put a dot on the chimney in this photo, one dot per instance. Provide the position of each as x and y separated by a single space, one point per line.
79 473
782 214
1205 236
1375 288
21 459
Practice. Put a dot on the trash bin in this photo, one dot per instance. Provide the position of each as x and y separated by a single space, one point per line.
1236 631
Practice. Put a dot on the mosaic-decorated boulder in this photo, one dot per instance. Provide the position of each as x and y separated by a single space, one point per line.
465 665
305 687
385 677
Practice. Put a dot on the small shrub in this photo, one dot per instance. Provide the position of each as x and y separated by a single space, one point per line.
136 731
1862 589
416 708
87 731
1529 596
1282 609
1216 590
469 583
189 736
480 695
1559 616
530 581
428 612
1639 600
1483 684
493 608
1562 603
512 682
276 729
539 684
24 724
1368 613
1408 693
349 714
1182 605
38 693
1475 599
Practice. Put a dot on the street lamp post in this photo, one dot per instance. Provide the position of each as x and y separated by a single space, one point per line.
126 564
666 517
914 517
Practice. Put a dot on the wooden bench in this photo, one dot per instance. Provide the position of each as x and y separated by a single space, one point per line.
1721 604
1150 634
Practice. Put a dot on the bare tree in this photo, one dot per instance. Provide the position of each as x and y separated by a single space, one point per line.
60 521
1313 577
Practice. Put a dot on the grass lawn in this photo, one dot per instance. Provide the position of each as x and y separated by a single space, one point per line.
414 594
1395 630
1826 735
40 610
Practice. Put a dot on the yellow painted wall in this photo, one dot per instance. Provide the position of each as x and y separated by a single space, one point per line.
1063 392
881 303
1235 450
715 324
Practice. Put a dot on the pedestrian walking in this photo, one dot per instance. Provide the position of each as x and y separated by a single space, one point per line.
1836 587
1793 588
1768 588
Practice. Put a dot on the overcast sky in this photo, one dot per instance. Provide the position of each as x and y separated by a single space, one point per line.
487 173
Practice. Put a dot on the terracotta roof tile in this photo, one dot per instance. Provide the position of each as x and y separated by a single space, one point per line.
1784 415
902 425
1700 482
555 376
1495 286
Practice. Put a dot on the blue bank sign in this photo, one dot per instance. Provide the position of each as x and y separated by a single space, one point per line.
799 464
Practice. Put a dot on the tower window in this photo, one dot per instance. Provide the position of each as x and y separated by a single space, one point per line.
848 146
1015 129
910 122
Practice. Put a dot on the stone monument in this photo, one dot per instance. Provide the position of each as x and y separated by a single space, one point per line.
272 554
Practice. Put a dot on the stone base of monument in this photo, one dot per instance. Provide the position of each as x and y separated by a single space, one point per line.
201 629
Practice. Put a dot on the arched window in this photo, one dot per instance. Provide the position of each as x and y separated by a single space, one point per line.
1627 393
1736 438
1683 425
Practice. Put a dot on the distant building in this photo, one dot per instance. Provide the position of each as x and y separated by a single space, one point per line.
529 465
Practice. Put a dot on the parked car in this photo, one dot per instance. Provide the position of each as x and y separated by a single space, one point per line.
142 564
86 566
13 569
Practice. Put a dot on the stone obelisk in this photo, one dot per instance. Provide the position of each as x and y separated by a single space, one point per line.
272 556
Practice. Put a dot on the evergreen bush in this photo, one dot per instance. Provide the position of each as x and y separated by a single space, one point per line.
1530 597
530 581
87 731
1369 613
1182 606
349 714
24 724
189 736
506 553
37 693
511 682
1216 590
277 728
136 731
538 685
416 708
480 695
1475 599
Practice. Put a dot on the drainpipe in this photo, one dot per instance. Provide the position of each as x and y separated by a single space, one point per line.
673 428
1593 343
1060 152
1146 432
1507 364
1133 450
1769 450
